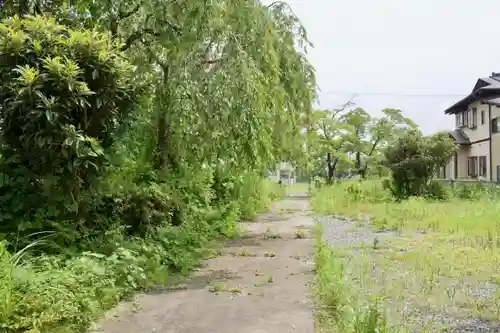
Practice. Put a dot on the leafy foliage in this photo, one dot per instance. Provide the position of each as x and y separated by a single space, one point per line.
413 162
331 137
65 95
134 134
354 139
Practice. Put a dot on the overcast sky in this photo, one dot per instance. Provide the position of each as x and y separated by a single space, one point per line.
416 55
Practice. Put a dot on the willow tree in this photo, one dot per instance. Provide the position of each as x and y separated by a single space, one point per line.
229 79
237 90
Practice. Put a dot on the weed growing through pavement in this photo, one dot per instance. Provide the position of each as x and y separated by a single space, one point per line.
271 234
300 234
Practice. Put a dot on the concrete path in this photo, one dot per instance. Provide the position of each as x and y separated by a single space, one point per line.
260 283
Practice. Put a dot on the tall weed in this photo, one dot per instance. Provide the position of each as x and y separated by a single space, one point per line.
338 310
66 292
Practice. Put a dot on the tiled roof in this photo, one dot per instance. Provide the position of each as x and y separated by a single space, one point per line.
485 89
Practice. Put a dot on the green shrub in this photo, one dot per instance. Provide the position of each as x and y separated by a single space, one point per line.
65 93
413 160
55 295
468 191
138 207
438 191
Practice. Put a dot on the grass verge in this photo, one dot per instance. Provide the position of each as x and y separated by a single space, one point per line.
436 268
337 309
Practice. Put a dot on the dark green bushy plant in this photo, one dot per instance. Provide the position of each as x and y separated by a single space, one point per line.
138 207
413 161
438 191
65 93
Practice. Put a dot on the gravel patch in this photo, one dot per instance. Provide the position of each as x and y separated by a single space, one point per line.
338 232
476 326
350 236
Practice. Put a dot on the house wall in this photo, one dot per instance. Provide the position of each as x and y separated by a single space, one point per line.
449 169
479 137
462 158
479 149
495 145
482 130
463 154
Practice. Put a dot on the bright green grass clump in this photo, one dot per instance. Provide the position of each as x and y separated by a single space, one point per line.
457 217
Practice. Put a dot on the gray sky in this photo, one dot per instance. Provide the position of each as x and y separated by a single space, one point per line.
402 47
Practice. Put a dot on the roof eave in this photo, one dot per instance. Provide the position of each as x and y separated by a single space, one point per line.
464 103
458 106
492 103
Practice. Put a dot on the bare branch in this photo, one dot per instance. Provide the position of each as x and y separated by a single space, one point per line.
325 133
343 107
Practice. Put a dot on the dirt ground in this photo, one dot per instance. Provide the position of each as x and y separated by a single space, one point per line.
260 283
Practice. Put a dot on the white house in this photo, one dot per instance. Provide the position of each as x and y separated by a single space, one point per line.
284 172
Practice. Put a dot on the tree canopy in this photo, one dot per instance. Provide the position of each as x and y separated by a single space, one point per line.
165 88
353 139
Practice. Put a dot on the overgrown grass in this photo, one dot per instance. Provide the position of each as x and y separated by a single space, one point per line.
65 293
442 257
338 310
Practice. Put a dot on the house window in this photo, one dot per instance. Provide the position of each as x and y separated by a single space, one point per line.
494 125
482 166
472 166
461 119
482 117
442 172
466 118
473 120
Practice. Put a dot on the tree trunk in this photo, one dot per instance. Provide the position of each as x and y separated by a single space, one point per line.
161 145
163 124
358 162
362 170
331 166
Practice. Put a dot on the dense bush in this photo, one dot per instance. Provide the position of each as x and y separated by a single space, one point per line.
413 161
65 93
54 294
438 191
